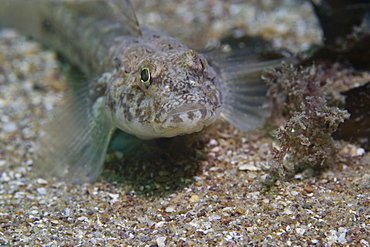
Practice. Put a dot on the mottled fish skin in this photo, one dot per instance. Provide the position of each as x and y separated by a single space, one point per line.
142 82
184 93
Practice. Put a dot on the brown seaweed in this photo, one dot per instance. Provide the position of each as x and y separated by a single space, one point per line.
305 138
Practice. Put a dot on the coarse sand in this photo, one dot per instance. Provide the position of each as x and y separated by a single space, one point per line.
213 198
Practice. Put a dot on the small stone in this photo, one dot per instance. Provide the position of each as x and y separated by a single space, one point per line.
67 212
5 177
54 222
364 242
170 209
9 127
300 231
248 167
308 189
240 211
114 197
213 142
288 211
214 217
359 151
82 218
194 198
2 163
298 176
41 191
160 241
41 181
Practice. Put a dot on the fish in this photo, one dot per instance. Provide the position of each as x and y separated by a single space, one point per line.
140 81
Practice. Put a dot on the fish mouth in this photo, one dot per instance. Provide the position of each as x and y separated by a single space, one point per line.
179 118
182 104
188 116
186 121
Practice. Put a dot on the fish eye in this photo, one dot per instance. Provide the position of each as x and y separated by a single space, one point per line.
145 77
203 62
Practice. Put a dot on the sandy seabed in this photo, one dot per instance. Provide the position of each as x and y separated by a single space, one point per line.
219 199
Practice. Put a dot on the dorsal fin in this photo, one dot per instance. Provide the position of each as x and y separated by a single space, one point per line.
125 15
120 11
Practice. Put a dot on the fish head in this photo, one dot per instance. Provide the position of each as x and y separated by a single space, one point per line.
165 95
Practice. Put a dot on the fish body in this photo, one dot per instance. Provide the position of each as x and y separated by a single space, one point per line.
145 83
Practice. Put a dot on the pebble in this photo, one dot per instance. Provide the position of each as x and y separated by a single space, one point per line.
41 181
9 127
41 191
308 189
160 241
240 211
2 163
248 167
170 209
212 142
194 198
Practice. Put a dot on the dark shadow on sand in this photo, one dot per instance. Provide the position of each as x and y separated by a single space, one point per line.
153 167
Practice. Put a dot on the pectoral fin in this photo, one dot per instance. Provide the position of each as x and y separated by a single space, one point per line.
73 142
246 105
